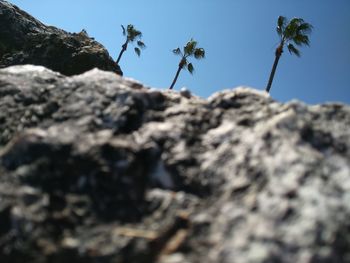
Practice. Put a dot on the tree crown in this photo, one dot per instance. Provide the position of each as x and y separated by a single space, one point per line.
293 33
132 35
189 50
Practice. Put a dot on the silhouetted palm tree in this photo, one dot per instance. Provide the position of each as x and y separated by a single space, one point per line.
131 35
190 50
291 33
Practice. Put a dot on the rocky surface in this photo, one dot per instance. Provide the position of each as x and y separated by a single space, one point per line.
97 168
25 40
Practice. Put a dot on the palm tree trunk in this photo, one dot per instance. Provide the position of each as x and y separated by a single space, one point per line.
278 54
124 48
176 76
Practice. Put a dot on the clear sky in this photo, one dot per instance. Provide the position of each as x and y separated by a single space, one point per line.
238 35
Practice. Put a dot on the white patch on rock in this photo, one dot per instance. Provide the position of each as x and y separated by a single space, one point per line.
237 91
220 134
20 69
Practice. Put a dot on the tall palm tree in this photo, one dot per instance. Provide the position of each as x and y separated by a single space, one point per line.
190 50
132 35
293 33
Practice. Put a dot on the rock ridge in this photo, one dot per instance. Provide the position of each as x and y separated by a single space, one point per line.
25 40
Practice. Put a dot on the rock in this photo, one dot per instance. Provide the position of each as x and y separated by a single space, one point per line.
185 92
98 168
25 40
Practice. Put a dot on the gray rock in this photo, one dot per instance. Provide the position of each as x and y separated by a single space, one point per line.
25 40
97 168
185 92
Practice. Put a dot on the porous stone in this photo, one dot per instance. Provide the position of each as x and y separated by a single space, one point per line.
98 168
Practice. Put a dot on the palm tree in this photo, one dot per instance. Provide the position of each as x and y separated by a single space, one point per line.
293 33
190 50
132 35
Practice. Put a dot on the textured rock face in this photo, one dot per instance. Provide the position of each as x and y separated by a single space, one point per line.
97 168
25 40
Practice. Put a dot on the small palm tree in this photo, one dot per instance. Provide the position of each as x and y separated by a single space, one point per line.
291 33
190 50
132 35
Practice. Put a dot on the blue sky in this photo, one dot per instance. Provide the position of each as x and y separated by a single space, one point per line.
238 35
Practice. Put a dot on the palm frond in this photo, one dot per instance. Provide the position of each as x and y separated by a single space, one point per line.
292 28
130 29
281 24
199 53
124 31
296 21
177 51
190 47
301 40
190 68
137 51
293 50
290 31
304 28
137 34
133 33
141 44
183 62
